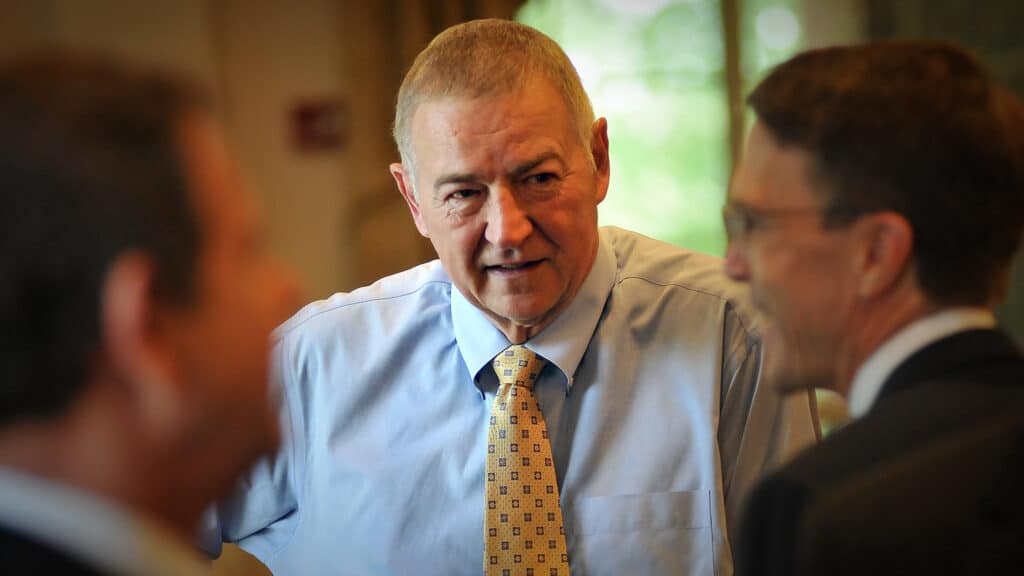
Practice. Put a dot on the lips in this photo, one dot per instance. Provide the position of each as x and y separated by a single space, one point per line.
513 267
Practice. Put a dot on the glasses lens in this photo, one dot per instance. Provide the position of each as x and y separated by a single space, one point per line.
734 221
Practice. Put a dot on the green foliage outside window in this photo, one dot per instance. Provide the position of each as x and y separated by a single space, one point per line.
656 70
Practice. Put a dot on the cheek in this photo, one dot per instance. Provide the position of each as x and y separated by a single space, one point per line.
572 228
249 302
784 286
457 247
767 275
814 293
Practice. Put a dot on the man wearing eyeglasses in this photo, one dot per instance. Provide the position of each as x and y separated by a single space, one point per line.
875 216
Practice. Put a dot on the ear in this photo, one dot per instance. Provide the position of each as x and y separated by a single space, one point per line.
599 151
127 311
138 354
406 185
888 245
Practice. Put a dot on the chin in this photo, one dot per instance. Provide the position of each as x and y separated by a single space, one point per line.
518 308
788 374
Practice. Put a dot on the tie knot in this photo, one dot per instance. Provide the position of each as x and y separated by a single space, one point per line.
518 365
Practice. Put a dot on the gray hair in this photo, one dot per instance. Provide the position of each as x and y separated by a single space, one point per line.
485 57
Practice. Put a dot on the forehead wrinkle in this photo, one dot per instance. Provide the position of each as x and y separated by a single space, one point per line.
451 129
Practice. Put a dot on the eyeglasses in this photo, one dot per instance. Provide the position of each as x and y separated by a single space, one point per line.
740 220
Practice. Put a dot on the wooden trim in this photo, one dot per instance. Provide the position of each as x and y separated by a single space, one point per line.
733 77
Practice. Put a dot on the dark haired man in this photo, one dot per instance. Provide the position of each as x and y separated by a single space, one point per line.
135 310
875 216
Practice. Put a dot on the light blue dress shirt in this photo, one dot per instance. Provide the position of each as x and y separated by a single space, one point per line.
657 421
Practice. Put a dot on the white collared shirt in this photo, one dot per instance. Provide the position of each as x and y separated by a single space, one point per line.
872 374
96 532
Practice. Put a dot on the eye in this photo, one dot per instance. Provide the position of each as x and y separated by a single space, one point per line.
542 178
463 194
749 221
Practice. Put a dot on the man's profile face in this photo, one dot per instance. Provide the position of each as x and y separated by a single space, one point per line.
240 296
508 197
801 275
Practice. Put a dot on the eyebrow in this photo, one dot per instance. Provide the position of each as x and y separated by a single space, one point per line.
527 167
454 179
518 171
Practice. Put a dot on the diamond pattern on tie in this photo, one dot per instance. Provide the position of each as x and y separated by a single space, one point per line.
523 531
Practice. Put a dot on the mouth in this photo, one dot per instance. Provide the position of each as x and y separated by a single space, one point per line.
512 268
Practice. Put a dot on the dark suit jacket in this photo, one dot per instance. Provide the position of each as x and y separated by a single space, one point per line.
928 482
22 555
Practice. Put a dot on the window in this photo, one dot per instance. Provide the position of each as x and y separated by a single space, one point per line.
657 70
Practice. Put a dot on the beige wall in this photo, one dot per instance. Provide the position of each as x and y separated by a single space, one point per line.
166 33
20 26
271 58
333 216
259 58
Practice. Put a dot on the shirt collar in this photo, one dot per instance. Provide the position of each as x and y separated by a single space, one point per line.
561 343
91 529
872 374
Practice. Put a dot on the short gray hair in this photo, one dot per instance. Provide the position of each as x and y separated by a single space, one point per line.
484 57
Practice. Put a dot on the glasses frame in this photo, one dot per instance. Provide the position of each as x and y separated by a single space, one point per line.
741 220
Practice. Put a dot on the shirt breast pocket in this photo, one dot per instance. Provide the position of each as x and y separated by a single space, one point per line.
643 534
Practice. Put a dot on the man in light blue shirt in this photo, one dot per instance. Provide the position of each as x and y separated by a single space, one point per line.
657 420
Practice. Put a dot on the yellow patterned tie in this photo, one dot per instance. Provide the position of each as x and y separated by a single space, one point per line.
523 532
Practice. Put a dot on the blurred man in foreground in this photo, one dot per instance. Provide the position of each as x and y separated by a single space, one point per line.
135 309
875 215
548 395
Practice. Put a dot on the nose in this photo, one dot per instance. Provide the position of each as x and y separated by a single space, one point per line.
736 265
508 223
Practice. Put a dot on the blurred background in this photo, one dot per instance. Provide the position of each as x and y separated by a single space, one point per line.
306 90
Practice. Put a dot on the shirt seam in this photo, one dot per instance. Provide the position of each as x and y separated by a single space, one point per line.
339 306
298 483
721 297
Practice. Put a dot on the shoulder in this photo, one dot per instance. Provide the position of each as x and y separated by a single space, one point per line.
653 267
964 482
422 289
775 508
841 454
903 423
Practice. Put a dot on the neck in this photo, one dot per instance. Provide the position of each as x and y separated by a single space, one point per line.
878 321
519 333
96 448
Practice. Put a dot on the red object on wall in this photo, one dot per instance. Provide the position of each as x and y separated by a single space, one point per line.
320 124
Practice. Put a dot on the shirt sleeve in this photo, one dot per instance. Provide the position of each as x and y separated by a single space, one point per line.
759 427
259 515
